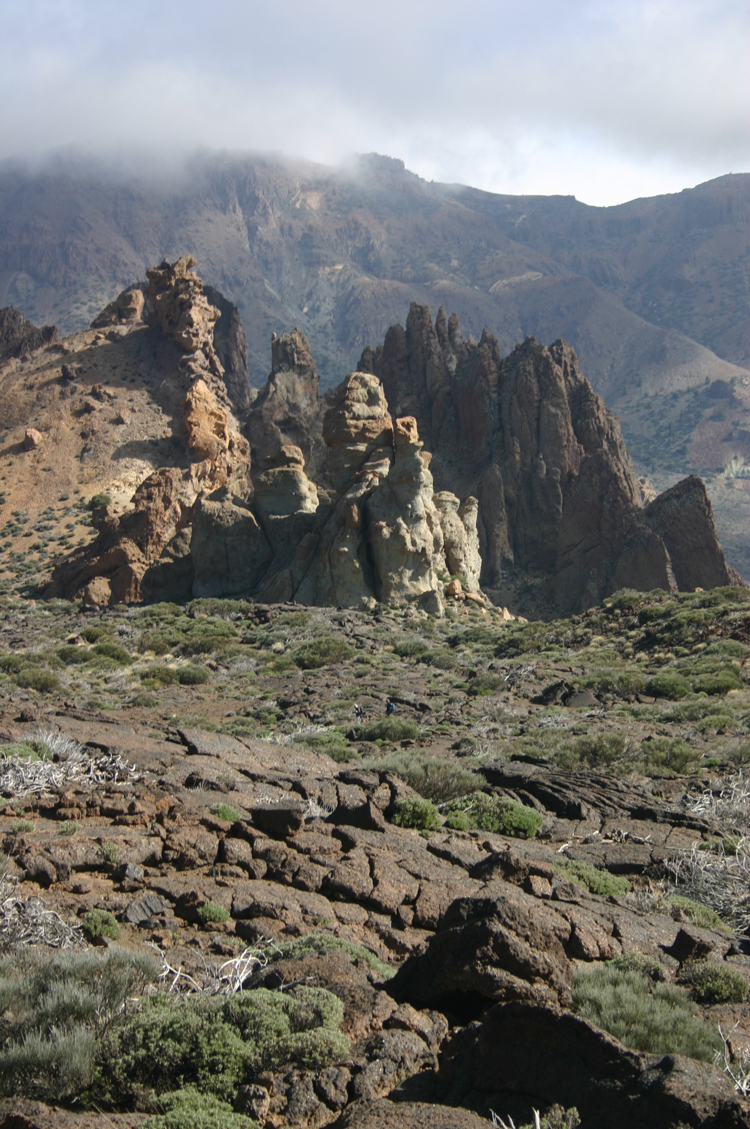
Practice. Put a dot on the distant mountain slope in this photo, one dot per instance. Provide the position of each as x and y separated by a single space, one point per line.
653 295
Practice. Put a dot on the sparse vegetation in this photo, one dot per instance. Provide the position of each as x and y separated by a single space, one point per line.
597 881
419 814
480 810
101 923
225 811
712 982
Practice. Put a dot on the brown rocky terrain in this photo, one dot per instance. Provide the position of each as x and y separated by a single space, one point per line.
652 294
152 811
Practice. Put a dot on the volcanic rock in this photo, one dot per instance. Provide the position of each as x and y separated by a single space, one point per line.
19 337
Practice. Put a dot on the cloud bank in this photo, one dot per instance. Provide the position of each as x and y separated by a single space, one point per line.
605 100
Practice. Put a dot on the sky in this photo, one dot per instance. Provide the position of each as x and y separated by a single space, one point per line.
606 100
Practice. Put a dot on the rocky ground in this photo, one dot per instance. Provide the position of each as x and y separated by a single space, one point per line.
192 783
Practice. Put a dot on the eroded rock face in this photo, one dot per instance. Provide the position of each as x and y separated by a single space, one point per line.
19 337
530 439
355 427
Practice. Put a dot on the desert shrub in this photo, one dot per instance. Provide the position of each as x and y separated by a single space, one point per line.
37 678
719 682
410 648
682 907
161 675
108 649
24 751
596 881
713 983
101 923
321 652
225 811
387 729
326 943
667 684
485 684
436 778
94 633
53 1011
192 675
20 826
216 1043
646 1016
98 500
440 658
638 962
497 814
626 600
518 639
73 656
333 743
415 812
486 636
555 1118
189 1109
669 754
601 751
69 827
211 912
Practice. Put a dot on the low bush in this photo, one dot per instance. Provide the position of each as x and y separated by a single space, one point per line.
212 913
485 684
326 943
386 729
37 678
101 923
498 814
192 675
98 500
73 656
440 658
225 811
321 652
189 1109
646 1016
69 827
161 675
217 1043
332 742
714 983
667 684
596 881
436 778
718 682
23 751
108 649
410 648
422 815
602 751
94 633
53 1011
665 754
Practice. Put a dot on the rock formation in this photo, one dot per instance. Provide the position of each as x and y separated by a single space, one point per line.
340 506
529 437
18 337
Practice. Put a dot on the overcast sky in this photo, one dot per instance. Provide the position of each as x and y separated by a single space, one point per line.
603 99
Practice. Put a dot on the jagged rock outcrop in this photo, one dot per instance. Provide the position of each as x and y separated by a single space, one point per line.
19 337
144 552
529 437
289 408
230 343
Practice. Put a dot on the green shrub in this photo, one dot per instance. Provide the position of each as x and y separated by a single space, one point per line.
68 827
23 751
485 684
326 943
161 675
436 778
37 678
666 754
92 634
440 658
189 1109
98 500
410 648
321 652
192 675
596 881
713 983
53 1010
657 1018
496 814
100 923
638 962
225 811
719 682
386 729
682 907
211 912
333 743
415 812
73 656
668 684
217 1043
108 649
19 826
601 751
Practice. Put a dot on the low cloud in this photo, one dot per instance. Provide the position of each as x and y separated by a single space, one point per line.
601 99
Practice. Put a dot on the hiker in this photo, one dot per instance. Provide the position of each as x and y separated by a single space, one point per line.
359 713
390 708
